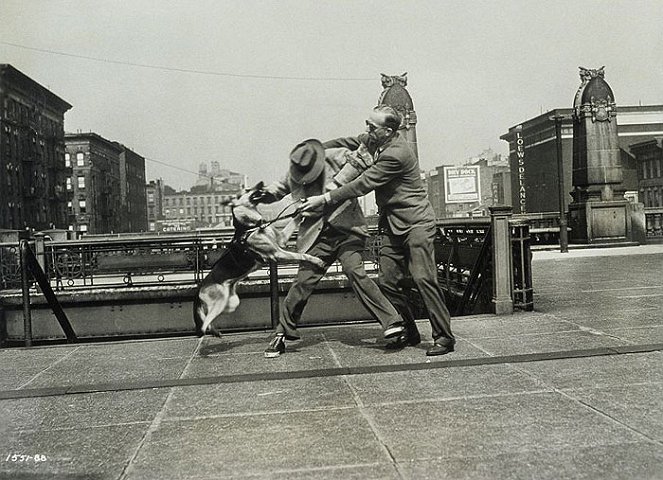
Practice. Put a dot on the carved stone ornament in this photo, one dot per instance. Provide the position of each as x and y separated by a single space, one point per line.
391 80
586 74
602 109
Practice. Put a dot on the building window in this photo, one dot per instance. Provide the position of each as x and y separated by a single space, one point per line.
82 206
68 183
83 227
81 182
67 160
150 197
80 159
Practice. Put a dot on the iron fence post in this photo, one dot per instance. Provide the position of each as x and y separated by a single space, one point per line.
25 286
40 250
274 292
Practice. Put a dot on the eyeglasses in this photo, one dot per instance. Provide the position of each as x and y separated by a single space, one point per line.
373 127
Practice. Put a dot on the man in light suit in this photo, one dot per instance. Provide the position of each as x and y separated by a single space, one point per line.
332 234
407 223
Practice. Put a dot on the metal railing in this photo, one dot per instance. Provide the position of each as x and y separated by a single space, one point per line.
464 253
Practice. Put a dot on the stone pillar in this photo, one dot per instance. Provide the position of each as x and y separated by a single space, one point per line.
502 259
599 212
396 96
40 250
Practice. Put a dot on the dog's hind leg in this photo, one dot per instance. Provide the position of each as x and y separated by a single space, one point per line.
215 297
198 315
233 300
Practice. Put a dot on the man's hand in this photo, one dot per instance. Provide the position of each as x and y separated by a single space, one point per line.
262 196
313 204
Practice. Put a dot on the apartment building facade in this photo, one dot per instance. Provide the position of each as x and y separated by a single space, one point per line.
32 172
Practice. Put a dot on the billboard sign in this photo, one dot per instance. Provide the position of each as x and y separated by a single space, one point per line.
462 184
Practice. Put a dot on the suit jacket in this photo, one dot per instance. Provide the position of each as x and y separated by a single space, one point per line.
396 179
350 220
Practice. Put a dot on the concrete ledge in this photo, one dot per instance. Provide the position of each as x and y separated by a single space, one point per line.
167 309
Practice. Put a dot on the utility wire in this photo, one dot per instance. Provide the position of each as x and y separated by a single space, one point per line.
176 167
185 70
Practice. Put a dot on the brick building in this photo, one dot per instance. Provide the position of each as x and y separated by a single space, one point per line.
93 183
154 191
649 159
533 154
105 185
32 174
198 208
132 191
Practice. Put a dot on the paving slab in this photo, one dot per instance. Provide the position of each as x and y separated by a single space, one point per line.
442 384
81 411
103 369
18 366
143 349
259 397
90 453
638 335
272 444
638 406
520 323
541 343
598 371
308 354
637 461
473 427
598 318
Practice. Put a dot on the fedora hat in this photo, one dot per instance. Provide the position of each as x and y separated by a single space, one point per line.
307 161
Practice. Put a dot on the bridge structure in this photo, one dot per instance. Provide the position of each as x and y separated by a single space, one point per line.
144 285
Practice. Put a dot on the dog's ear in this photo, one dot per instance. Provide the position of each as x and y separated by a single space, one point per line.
259 186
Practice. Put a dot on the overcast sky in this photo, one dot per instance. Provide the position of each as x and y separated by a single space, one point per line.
242 82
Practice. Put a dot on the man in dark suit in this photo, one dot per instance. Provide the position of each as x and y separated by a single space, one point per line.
334 234
407 223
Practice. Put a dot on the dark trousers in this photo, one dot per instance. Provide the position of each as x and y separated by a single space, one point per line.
347 248
414 252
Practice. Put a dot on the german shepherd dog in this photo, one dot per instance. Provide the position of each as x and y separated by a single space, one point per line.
254 243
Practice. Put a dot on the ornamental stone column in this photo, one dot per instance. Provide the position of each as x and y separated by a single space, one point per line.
396 96
599 212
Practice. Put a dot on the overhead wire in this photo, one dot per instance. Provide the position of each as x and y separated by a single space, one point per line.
185 70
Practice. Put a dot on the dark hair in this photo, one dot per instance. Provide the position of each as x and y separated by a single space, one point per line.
391 117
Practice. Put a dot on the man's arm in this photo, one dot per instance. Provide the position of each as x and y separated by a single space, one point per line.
351 143
378 174
275 191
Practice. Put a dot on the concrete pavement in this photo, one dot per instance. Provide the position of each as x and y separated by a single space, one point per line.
572 390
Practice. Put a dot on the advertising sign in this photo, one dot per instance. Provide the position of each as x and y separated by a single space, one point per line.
520 154
462 184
